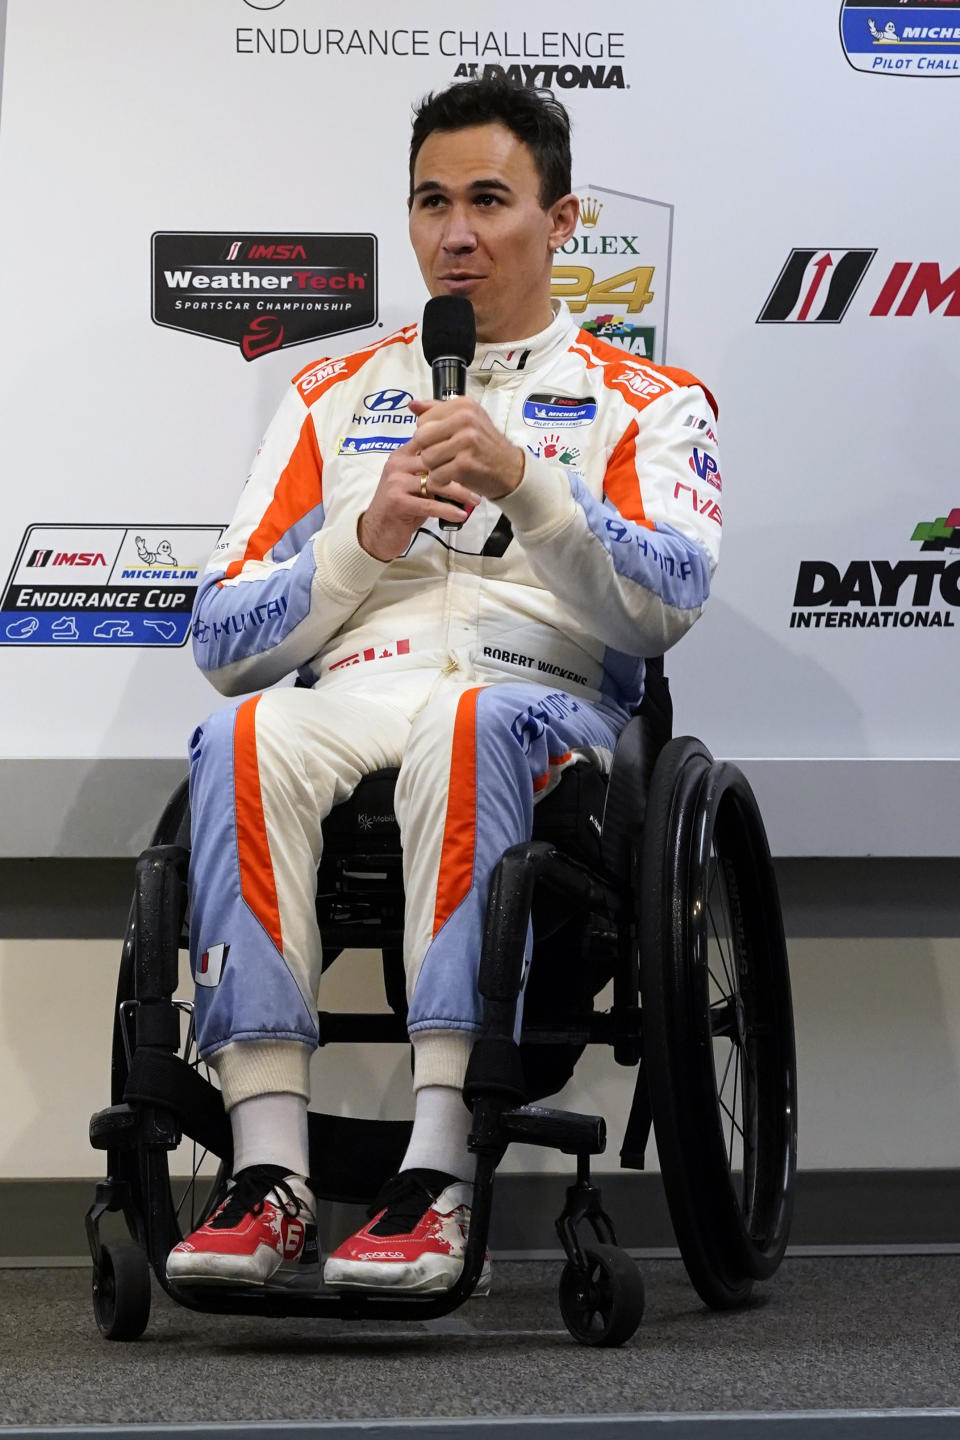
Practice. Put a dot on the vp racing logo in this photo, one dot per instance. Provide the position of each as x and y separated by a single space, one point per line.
919 38
266 291
904 594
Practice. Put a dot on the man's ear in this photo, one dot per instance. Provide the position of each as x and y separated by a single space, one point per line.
564 214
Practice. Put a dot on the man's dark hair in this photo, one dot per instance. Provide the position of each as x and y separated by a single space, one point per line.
534 116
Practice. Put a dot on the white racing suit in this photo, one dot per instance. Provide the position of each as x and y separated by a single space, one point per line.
482 662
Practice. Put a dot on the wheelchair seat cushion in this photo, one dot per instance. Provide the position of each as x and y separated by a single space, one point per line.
569 817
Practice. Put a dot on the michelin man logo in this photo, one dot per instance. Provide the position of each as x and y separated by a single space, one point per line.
887 36
163 555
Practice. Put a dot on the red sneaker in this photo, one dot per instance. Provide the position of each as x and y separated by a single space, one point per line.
415 1242
264 1233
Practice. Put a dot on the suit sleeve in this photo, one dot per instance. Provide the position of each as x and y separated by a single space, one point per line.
284 578
636 565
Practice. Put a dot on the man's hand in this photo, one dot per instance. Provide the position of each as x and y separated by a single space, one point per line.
398 508
460 446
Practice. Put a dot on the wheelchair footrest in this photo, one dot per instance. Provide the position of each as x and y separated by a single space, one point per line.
557 1129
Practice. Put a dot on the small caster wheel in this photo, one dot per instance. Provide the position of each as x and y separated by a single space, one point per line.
121 1291
602 1305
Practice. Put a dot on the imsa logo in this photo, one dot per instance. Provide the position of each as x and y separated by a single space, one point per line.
815 286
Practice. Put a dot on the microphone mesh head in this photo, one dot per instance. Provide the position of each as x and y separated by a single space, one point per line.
449 329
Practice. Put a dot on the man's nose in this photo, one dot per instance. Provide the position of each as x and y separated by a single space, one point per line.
459 235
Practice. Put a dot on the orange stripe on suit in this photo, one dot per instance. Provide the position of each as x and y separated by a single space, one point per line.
607 354
460 831
621 483
299 490
257 884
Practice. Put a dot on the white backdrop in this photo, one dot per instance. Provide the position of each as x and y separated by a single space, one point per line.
716 144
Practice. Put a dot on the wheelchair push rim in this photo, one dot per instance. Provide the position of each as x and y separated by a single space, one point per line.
718 1025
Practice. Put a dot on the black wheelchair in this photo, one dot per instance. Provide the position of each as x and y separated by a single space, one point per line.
657 878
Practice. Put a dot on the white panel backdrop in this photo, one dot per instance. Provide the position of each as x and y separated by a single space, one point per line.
739 134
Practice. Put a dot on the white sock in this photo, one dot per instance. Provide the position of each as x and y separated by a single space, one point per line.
271 1130
441 1124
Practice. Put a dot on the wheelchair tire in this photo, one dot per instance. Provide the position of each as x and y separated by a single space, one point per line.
121 1291
715 994
603 1305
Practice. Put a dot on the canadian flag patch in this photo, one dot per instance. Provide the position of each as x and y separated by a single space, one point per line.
210 965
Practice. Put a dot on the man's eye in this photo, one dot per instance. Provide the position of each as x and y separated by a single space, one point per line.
488 200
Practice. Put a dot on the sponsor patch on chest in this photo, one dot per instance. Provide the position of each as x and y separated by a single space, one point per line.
361 444
559 411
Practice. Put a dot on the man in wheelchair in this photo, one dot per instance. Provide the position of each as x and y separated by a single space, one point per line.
474 609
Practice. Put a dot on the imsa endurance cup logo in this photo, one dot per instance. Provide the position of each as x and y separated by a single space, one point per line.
264 292
614 271
914 37
104 584
885 594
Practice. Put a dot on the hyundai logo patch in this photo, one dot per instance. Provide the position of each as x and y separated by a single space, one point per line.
559 411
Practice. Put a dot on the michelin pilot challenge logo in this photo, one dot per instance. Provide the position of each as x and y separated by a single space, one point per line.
919 38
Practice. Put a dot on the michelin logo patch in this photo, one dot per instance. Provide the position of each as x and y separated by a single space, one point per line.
360 444
104 584
559 411
911 38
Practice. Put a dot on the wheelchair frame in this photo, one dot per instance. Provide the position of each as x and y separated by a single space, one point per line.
680 836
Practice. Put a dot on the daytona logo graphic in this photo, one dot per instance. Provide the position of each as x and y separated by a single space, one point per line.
264 292
817 286
884 594
548 77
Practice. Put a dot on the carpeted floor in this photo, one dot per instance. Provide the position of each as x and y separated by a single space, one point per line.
849 1333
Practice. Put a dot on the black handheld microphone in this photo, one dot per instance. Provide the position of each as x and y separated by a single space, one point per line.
449 337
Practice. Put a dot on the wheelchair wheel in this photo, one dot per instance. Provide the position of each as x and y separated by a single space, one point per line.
121 1291
717 1022
172 1183
604 1304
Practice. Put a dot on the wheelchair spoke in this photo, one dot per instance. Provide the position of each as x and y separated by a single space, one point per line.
736 1076
725 995
726 1071
191 1188
729 1113
724 932
727 969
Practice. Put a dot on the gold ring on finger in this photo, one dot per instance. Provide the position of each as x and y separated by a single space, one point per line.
423 487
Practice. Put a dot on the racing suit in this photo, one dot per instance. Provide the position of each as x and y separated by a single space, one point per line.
482 661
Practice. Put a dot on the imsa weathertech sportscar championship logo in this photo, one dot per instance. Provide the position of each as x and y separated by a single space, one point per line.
912 37
264 291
